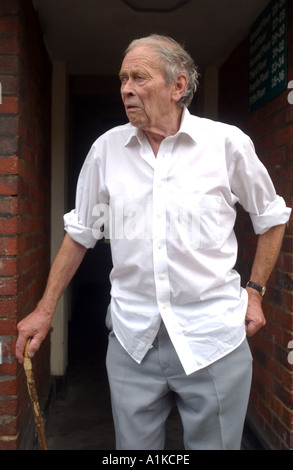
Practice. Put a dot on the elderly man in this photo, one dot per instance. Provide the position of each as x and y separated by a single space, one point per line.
166 185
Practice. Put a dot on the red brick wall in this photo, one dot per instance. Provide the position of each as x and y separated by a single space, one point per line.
271 128
25 76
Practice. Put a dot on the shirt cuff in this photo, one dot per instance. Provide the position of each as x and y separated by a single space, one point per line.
77 231
275 214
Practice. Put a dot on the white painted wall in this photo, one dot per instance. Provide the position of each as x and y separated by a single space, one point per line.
59 335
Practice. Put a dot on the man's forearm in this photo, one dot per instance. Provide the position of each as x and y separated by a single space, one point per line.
37 324
267 252
65 265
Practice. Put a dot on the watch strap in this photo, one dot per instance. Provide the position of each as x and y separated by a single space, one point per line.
260 289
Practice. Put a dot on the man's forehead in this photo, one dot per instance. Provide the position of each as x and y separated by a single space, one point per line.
140 56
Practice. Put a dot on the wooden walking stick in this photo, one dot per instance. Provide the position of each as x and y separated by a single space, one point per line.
28 368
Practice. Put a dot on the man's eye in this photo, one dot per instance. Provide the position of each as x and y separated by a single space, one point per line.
140 79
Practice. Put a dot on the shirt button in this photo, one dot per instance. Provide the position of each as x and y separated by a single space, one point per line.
161 277
160 246
164 306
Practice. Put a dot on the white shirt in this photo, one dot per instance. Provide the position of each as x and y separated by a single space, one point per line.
171 221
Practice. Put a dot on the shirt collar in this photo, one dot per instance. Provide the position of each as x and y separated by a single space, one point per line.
187 127
135 134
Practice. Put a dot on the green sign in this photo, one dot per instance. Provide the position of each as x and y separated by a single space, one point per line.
268 55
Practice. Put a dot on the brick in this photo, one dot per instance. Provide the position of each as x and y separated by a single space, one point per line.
289 114
9 25
8 125
8 307
9 45
8 205
288 263
9 443
8 246
9 165
287 417
9 185
283 136
8 146
8 425
8 286
10 84
9 226
277 157
8 267
286 319
9 355
283 280
9 366
8 387
8 406
287 376
288 245
9 7
28 173
7 328
288 301
275 296
283 394
9 64
9 105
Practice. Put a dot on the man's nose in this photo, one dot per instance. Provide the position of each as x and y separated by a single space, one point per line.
127 88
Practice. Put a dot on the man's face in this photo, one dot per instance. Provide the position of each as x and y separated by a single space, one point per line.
146 97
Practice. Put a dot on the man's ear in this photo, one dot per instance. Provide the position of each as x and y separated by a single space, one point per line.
179 87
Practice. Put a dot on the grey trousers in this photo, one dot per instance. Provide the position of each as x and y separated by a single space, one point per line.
212 402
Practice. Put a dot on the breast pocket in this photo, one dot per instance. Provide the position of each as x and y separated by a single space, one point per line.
198 222
210 221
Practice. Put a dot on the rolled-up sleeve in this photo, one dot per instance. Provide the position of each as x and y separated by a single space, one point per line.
77 231
79 222
276 213
252 184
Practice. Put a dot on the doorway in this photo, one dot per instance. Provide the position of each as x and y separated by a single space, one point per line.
95 107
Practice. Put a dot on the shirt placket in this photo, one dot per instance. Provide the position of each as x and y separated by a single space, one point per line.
160 258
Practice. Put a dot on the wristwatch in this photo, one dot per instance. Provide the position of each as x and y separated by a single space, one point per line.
260 289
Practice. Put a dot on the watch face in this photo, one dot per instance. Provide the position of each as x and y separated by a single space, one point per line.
263 291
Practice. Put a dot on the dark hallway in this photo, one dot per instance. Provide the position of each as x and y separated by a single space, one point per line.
80 416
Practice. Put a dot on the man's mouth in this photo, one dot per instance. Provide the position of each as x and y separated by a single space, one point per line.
130 107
